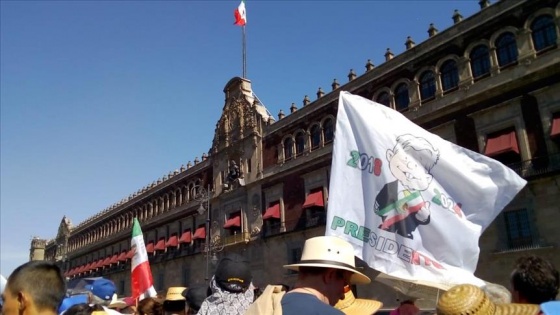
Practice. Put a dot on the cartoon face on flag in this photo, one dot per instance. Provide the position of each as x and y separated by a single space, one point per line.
412 204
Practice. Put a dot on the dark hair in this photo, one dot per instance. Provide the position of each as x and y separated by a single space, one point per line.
535 279
149 306
83 309
174 306
42 280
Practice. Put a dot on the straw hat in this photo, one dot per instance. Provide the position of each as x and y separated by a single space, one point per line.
175 294
353 306
117 303
330 252
470 299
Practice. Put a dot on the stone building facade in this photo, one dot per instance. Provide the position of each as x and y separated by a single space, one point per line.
489 83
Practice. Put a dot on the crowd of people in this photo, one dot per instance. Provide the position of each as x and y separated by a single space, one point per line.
326 272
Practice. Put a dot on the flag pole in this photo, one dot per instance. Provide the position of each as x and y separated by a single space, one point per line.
244 53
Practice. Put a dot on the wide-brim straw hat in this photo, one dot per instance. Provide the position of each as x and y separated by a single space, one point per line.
470 299
175 294
330 252
353 306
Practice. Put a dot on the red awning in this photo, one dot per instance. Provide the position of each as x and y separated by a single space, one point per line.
107 261
555 130
81 269
122 256
87 267
235 221
172 241
186 237
200 233
160 245
150 247
502 143
314 199
272 212
130 254
114 259
99 264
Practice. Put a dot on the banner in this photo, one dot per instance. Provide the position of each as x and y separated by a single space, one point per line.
412 204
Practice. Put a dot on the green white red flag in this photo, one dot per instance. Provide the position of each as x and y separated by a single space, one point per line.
142 281
240 14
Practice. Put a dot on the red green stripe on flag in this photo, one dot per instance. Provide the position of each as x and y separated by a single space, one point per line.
240 14
142 283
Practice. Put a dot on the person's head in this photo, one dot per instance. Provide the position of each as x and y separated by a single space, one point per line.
194 297
83 309
411 161
328 265
408 307
534 280
102 291
351 305
149 306
470 299
175 302
32 288
233 273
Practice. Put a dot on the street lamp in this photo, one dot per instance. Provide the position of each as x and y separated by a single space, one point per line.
210 247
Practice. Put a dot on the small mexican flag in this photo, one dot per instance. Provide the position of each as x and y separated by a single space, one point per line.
142 282
240 14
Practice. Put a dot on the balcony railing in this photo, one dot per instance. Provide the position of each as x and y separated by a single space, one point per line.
236 238
316 219
538 166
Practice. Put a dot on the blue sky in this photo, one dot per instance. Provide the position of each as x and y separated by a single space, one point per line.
100 98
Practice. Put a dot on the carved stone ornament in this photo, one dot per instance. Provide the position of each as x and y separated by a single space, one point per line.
256 205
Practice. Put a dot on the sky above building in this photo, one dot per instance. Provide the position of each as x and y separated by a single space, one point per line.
101 98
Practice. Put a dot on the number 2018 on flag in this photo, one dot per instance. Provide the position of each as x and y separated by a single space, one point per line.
365 162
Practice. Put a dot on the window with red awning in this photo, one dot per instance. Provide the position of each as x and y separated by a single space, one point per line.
150 247
160 245
314 199
501 142
234 221
273 211
173 241
186 237
122 256
555 130
200 233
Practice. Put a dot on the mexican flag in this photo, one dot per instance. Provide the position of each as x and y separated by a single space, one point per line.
142 282
240 14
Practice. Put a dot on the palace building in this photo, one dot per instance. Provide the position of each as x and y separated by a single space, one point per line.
489 83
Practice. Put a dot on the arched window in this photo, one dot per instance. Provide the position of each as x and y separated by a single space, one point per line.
506 49
543 32
384 98
328 130
288 148
401 97
427 85
300 143
315 137
480 61
449 75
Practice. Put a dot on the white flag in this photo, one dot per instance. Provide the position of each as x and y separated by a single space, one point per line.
412 204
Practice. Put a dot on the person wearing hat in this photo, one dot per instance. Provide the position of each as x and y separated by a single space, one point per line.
102 291
470 299
231 289
194 298
327 265
174 303
353 306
